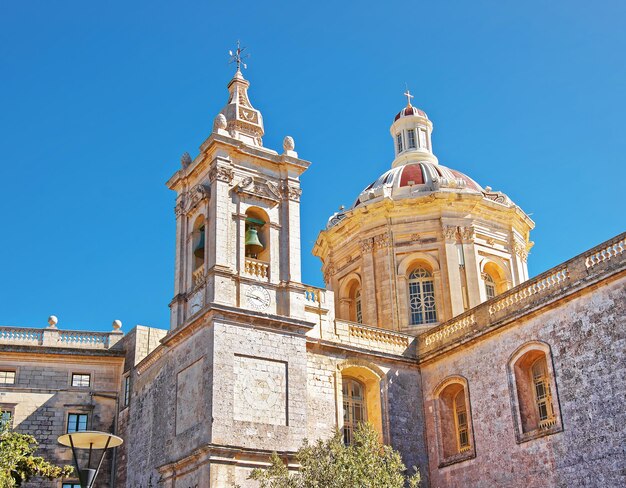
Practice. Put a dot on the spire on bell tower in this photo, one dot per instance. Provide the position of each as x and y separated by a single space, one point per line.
243 121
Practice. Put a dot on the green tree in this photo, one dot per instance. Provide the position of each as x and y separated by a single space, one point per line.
365 463
18 462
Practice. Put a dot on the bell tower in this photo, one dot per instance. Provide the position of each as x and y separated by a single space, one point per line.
238 217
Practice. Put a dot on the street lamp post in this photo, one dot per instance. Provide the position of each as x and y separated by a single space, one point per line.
89 439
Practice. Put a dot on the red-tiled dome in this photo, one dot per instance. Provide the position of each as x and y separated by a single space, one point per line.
410 110
414 178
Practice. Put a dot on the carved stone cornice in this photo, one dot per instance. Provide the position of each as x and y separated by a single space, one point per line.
258 188
221 173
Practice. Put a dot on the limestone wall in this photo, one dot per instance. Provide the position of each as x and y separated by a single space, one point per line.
586 334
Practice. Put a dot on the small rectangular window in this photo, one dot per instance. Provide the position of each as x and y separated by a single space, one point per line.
7 377
127 391
399 142
71 485
76 422
411 134
6 418
81 380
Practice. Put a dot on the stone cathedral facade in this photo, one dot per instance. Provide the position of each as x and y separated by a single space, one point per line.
429 328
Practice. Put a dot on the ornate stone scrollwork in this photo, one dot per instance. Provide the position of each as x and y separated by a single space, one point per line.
329 273
467 233
367 245
449 232
190 199
292 192
382 240
258 188
221 173
521 250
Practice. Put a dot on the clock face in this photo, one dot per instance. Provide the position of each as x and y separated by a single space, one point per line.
258 298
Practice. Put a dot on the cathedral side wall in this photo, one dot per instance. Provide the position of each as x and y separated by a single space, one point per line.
587 338
169 413
399 391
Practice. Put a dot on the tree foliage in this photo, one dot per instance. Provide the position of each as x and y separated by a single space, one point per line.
18 462
365 463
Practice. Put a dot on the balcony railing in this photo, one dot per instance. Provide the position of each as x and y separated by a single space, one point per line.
259 270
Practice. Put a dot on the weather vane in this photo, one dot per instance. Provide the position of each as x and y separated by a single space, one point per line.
238 57
408 95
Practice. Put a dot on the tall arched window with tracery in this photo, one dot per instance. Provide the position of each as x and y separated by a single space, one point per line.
423 309
353 407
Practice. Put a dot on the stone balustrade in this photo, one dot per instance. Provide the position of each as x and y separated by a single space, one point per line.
372 338
52 337
314 296
198 276
257 269
555 283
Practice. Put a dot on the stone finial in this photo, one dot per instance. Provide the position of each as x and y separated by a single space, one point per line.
185 160
53 321
488 189
117 325
289 144
219 123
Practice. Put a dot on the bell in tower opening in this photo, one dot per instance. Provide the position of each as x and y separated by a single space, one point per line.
254 246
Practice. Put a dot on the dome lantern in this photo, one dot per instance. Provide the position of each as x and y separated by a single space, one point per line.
411 132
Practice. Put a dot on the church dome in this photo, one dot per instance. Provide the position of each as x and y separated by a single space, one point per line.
414 179
410 110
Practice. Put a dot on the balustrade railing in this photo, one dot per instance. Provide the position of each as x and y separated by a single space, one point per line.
198 276
21 336
552 284
257 269
53 337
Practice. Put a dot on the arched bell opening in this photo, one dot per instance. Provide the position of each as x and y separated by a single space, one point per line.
257 242
198 243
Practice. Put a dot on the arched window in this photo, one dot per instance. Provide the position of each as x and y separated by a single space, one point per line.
490 286
423 309
534 395
357 306
543 397
453 421
354 410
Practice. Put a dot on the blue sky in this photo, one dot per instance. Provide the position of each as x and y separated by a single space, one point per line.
98 100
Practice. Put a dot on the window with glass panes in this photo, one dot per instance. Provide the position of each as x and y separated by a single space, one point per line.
358 307
399 142
6 418
126 391
490 286
353 407
76 422
543 398
460 416
70 485
81 379
411 138
7 377
423 309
